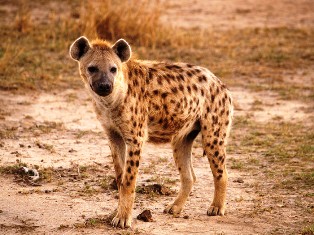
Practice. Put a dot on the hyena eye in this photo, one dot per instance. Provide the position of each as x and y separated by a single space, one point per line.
92 69
113 70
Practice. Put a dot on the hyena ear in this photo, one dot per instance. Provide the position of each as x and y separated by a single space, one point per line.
79 48
122 49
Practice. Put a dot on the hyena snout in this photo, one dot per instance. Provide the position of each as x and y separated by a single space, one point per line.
102 87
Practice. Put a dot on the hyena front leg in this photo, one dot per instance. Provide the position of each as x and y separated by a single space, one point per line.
123 217
118 147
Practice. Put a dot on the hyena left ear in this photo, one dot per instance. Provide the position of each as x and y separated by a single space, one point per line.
122 49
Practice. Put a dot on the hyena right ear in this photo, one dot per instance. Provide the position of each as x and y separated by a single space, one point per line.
79 48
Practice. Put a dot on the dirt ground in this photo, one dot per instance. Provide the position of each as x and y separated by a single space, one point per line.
58 133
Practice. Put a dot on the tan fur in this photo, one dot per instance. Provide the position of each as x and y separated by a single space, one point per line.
159 102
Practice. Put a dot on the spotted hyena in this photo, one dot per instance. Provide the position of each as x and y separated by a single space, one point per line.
138 101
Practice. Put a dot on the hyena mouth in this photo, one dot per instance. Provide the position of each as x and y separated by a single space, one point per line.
102 89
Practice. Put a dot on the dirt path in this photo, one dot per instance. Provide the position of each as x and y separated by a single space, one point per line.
228 14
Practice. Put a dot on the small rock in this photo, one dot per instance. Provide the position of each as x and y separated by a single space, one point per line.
154 188
239 180
22 145
145 216
185 217
72 150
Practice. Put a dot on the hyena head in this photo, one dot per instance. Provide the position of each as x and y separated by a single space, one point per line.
99 63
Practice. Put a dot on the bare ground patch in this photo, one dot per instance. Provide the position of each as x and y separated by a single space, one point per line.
75 164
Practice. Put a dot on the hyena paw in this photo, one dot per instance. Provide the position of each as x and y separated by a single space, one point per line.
122 221
173 209
215 210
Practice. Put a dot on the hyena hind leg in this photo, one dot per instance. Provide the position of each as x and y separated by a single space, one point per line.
182 154
214 140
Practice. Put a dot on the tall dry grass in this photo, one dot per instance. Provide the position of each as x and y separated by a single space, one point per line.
138 21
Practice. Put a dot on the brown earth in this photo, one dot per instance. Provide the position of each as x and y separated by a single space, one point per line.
59 134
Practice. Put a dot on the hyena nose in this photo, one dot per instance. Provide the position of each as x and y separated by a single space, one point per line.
105 87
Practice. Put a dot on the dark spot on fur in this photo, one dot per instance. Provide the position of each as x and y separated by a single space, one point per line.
218 177
215 141
137 152
159 80
189 74
131 153
181 87
129 170
137 163
220 171
164 95
174 90
216 133
213 98
216 153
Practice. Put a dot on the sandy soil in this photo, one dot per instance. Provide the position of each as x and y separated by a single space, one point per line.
62 208
60 131
228 14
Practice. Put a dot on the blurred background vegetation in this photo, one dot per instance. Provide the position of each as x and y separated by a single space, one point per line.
36 36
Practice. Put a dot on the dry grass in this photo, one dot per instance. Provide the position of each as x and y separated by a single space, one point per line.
285 148
33 56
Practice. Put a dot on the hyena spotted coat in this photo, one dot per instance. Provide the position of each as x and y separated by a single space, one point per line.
138 101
